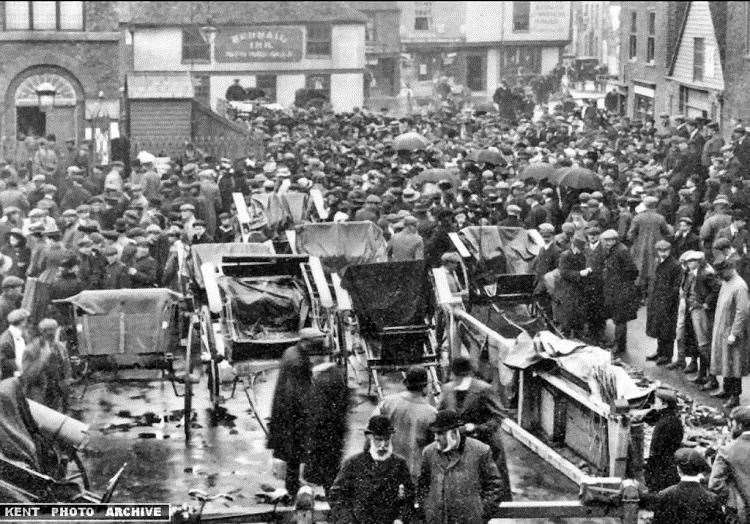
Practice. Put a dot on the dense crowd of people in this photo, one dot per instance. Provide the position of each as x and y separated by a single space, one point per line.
632 213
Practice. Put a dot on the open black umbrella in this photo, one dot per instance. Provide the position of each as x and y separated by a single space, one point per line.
578 178
539 171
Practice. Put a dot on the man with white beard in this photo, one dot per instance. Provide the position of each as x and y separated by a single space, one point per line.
373 486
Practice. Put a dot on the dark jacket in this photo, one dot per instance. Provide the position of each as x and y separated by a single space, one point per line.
115 276
618 274
366 491
329 405
571 290
461 486
661 471
145 275
21 255
681 244
287 429
687 503
663 302
7 355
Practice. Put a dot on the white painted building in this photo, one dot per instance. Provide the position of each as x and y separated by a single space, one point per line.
263 44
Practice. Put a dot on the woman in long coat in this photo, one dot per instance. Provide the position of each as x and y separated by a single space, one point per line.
647 228
570 292
621 296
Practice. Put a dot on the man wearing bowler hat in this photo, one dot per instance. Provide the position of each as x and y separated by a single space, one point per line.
459 482
373 486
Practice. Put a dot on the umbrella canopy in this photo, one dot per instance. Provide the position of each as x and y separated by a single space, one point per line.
578 178
488 156
410 141
539 171
436 175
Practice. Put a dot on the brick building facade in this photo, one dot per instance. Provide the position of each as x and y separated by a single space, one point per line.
69 48
649 32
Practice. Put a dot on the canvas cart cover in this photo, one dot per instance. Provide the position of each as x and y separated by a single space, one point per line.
296 203
342 244
126 321
276 210
517 245
388 294
213 253
16 443
270 302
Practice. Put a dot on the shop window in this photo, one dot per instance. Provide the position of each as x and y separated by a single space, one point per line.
651 40
194 46
422 16
699 49
267 83
43 16
319 39
521 12
319 83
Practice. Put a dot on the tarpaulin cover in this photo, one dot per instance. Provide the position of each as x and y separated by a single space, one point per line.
16 443
213 253
517 245
276 210
342 244
270 302
124 321
388 294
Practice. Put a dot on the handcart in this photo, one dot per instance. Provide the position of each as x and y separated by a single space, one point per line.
497 273
256 306
390 301
37 447
125 329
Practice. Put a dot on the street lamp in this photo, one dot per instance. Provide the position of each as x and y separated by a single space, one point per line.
45 93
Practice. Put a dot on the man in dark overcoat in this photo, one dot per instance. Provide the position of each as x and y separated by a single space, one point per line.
663 303
660 471
621 298
288 427
373 486
571 292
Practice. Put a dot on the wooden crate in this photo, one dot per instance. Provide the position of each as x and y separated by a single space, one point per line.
586 434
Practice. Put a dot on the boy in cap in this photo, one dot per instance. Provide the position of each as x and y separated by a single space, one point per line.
373 486
143 271
115 272
687 502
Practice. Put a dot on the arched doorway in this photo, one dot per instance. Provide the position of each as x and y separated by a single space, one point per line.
59 114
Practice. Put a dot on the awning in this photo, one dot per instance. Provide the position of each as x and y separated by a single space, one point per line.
146 86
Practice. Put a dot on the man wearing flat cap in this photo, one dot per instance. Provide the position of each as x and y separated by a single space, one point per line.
730 472
514 217
663 303
619 275
660 471
685 238
46 368
10 298
730 357
716 222
407 244
115 272
687 502
459 481
410 414
373 486
647 228
13 344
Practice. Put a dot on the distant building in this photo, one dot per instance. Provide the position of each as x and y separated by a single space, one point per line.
479 44
277 47
736 66
595 32
649 32
696 84
382 47
60 69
